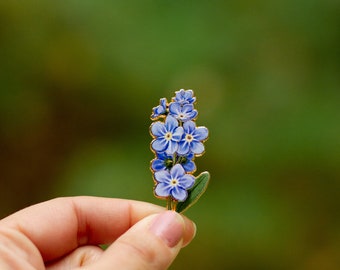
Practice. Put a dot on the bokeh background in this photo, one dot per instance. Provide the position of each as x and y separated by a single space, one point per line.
78 80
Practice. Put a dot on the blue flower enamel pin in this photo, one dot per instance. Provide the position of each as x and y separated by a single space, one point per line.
176 142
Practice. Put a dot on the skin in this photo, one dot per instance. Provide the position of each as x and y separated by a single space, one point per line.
64 233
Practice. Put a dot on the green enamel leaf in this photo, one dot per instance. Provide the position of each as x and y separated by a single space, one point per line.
195 192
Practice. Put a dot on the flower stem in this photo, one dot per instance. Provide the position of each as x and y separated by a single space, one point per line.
168 203
171 203
174 205
174 159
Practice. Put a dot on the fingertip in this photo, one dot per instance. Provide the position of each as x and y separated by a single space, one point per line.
173 227
169 227
189 232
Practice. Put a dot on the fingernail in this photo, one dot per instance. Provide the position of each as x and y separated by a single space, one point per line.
168 226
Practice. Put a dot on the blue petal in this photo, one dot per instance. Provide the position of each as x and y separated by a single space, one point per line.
170 123
159 145
201 133
186 181
179 94
174 108
172 147
187 108
177 171
161 155
189 127
163 102
178 133
158 129
162 176
190 156
193 114
189 166
154 112
156 109
158 164
192 100
162 190
179 194
189 94
197 147
183 148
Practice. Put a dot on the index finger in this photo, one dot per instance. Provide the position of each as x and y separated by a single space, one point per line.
58 226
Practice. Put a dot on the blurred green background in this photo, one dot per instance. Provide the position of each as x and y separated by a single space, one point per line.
78 80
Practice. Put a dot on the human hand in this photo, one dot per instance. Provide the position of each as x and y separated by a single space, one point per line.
64 233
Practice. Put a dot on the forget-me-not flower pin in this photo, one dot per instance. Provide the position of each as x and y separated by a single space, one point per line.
176 142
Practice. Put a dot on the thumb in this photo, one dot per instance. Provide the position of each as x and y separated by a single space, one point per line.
152 243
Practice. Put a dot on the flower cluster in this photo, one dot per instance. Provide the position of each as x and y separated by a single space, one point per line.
176 142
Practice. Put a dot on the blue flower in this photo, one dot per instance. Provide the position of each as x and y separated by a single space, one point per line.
160 109
162 162
187 162
184 96
167 135
165 162
184 112
173 183
192 139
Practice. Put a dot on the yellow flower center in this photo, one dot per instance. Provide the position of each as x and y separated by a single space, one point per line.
173 182
189 137
168 136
